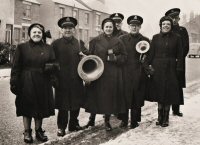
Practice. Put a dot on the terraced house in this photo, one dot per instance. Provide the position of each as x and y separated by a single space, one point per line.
17 15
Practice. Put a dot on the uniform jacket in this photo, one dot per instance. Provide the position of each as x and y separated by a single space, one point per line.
34 95
133 73
165 57
185 48
70 91
105 95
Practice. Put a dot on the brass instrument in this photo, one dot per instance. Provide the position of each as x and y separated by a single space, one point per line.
90 68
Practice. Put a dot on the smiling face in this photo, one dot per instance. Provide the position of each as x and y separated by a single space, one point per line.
36 34
134 28
166 26
108 28
68 31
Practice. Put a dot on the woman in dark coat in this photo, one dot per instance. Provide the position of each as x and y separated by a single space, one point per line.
165 57
31 84
105 95
134 75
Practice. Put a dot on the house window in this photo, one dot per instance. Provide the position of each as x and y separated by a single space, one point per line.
86 18
86 35
62 12
17 35
75 14
98 20
8 37
27 11
24 33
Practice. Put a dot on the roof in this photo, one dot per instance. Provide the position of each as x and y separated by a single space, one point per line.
72 3
96 5
32 1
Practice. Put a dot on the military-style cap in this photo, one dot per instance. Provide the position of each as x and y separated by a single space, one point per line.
67 21
173 12
135 19
117 17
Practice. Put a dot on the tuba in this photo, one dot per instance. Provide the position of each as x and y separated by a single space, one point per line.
90 68
142 47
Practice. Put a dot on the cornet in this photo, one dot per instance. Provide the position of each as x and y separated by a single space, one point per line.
142 47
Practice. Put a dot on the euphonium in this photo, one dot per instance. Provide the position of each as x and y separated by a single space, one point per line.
90 68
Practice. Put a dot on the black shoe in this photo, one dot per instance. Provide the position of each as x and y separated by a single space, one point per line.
90 123
28 136
178 114
165 124
123 124
75 128
61 132
108 127
134 125
40 135
158 123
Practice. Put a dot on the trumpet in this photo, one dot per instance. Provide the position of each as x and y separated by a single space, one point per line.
90 67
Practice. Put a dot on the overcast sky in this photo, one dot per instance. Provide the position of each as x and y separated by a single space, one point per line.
151 11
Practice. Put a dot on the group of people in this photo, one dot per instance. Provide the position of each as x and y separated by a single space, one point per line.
129 78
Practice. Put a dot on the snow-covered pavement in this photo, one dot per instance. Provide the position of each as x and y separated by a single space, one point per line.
181 131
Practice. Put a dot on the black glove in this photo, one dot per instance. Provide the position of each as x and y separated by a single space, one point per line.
54 81
149 70
111 56
14 89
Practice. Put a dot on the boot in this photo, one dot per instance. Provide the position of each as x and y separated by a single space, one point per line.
108 127
28 136
40 135
165 122
61 132
74 126
91 121
160 116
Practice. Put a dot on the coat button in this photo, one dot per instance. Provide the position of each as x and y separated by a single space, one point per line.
42 53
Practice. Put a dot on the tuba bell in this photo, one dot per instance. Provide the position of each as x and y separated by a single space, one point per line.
90 68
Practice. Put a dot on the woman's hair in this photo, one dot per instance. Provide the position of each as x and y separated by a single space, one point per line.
39 26
166 18
109 20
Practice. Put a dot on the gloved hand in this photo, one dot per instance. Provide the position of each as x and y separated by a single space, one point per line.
54 81
111 56
14 89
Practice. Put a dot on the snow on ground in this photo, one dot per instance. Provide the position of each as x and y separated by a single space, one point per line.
181 131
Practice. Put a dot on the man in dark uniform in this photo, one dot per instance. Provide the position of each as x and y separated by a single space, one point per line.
118 18
134 76
174 14
70 89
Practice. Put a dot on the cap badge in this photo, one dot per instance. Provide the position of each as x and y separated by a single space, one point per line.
116 15
67 19
135 17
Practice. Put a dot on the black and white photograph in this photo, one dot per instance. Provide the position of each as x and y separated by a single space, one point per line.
99 72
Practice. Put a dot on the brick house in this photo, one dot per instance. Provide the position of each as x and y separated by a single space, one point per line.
89 18
6 20
26 12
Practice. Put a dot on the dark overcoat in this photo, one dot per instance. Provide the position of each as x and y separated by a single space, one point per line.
70 91
105 95
134 76
35 94
185 48
165 57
